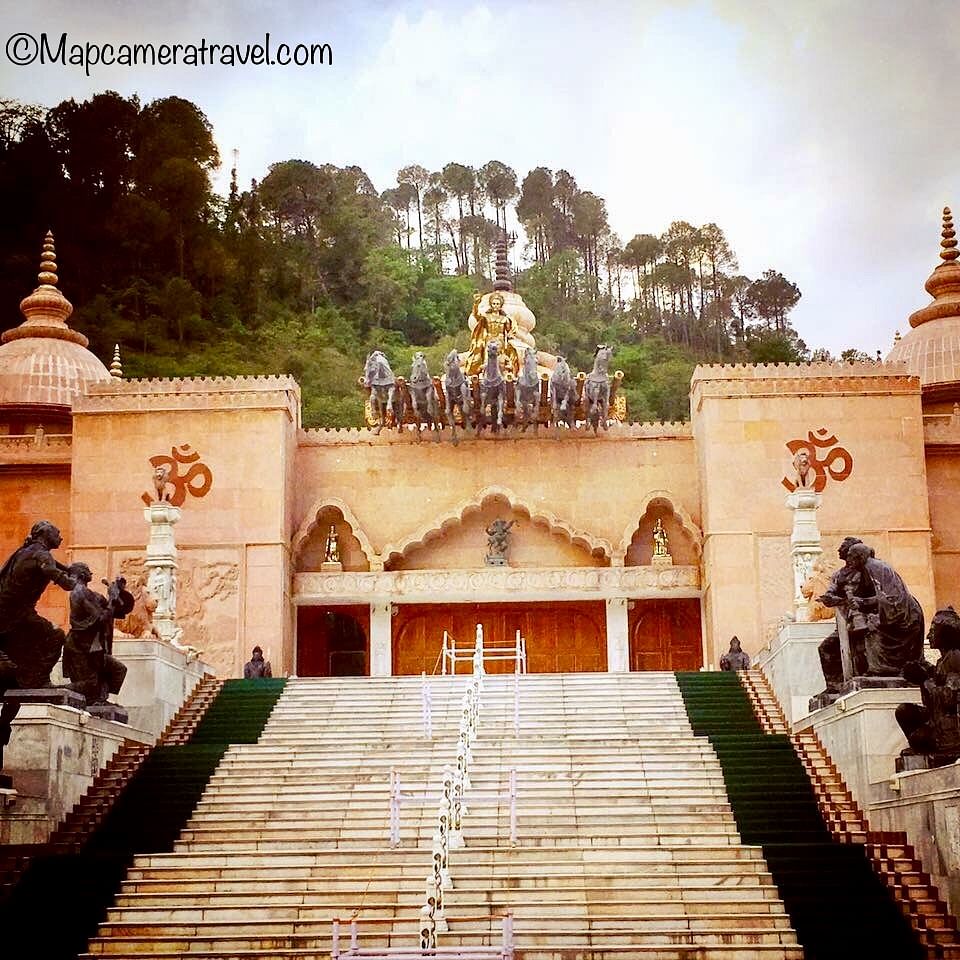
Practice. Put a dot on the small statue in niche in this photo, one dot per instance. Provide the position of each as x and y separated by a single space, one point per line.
331 550
498 542
735 659
934 726
661 544
805 476
88 660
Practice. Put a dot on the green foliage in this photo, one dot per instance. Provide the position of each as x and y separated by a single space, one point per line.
307 271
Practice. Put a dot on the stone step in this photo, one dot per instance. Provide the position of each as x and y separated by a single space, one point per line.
466 890
557 934
645 856
571 951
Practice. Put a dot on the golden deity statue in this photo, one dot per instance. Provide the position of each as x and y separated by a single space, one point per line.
494 324
331 552
661 545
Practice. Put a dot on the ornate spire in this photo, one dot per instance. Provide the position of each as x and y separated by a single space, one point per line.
502 281
944 283
116 368
46 309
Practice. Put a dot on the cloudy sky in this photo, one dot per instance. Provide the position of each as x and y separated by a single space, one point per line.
821 135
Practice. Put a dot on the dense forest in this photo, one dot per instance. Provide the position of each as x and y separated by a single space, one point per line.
308 269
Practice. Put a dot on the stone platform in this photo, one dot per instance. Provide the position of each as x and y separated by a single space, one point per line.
54 754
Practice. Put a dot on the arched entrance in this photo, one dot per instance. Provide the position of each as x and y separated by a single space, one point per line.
665 634
333 641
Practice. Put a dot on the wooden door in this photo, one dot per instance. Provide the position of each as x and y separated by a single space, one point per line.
333 641
665 635
560 637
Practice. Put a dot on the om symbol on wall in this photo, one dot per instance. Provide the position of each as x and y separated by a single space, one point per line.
196 480
836 463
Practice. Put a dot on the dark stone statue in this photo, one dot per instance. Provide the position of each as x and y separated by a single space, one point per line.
256 667
88 660
884 621
29 644
735 659
933 728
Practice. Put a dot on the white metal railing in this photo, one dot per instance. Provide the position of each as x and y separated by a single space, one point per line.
502 952
448 833
452 653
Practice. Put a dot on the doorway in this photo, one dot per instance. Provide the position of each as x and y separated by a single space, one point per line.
333 641
665 634
563 637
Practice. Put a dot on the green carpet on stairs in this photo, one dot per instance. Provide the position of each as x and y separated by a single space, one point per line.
58 902
837 904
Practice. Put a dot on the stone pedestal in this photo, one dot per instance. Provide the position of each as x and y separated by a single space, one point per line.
162 567
159 678
925 804
331 566
53 756
664 561
57 696
804 544
861 734
792 665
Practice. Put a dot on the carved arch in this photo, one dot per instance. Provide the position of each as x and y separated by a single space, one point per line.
311 519
679 511
596 546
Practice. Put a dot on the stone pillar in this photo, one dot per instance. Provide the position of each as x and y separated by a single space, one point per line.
804 544
381 639
618 636
162 567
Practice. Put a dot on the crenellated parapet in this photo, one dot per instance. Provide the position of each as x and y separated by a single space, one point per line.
778 379
344 436
191 393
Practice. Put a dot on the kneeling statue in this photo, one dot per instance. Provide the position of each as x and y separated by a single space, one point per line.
934 727
884 620
88 659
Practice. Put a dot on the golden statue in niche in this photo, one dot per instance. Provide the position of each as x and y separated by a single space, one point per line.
331 552
661 545
493 324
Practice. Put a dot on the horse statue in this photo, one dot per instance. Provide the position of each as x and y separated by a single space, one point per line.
423 396
527 397
596 391
384 395
493 390
456 390
563 395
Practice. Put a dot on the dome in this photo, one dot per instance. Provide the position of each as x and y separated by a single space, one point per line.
43 362
931 349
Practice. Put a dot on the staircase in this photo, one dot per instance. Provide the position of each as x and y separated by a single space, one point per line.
627 844
839 906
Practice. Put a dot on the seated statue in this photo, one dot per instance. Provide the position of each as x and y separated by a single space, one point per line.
88 660
492 325
30 645
884 621
934 726
735 659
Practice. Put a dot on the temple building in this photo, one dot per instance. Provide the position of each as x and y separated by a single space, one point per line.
263 500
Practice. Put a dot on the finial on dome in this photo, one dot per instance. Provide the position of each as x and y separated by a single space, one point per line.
948 243
896 336
48 262
116 368
502 265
